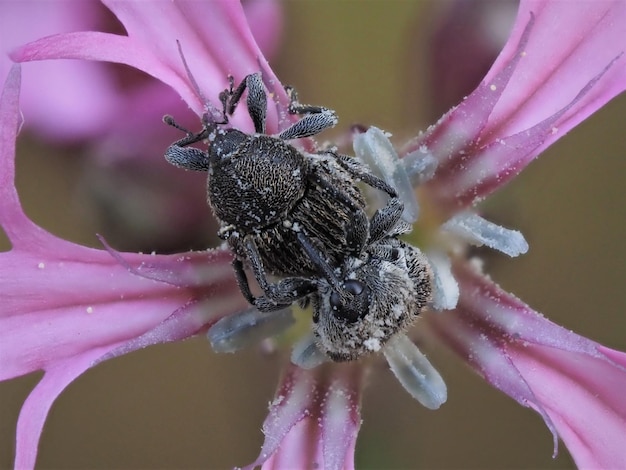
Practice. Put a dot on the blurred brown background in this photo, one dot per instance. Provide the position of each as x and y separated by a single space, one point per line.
182 406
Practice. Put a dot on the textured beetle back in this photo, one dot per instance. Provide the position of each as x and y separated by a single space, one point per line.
255 186
327 221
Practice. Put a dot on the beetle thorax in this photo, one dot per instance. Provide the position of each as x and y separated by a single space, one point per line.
257 183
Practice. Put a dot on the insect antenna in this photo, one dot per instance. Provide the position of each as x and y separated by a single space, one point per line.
211 113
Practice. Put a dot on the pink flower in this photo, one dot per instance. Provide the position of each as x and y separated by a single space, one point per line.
549 77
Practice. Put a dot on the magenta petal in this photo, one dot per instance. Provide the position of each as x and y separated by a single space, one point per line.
584 397
68 112
93 45
462 126
196 269
154 31
66 307
562 62
207 25
37 405
70 315
313 420
10 210
498 162
54 308
288 408
266 23
574 383
60 299
187 321
569 45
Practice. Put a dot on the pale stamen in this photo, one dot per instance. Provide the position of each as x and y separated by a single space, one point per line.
246 328
415 372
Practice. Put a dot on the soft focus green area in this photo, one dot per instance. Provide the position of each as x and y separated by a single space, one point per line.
181 406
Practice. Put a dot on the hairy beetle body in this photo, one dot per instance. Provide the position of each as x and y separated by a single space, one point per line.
397 277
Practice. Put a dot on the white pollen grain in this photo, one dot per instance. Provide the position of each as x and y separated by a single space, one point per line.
41 265
372 344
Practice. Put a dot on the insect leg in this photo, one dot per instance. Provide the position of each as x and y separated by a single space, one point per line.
187 158
296 108
309 125
385 220
242 281
358 170
278 295
285 292
191 137
256 101
315 120
318 260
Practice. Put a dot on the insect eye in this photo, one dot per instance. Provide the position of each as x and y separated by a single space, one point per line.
354 287
354 307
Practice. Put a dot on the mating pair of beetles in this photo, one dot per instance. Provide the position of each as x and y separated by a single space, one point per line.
301 218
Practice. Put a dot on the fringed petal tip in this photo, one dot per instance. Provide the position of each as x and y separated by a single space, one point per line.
573 383
313 420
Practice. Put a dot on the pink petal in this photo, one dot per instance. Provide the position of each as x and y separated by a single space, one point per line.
562 62
36 407
569 45
56 307
584 397
66 307
10 210
575 384
201 28
184 323
68 113
265 18
313 420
